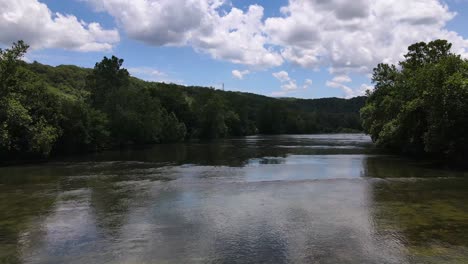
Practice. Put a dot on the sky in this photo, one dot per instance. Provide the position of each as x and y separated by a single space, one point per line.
280 48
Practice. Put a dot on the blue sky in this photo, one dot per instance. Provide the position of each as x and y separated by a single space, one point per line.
297 48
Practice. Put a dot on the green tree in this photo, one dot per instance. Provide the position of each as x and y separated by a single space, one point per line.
172 130
84 128
28 113
136 116
106 78
46 109
272 118
213 118
421 107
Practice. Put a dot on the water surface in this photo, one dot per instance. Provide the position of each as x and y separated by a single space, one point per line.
261 199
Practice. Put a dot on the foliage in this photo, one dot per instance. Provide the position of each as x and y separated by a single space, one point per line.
48 110
84 128
106 78
172 130
422 105
28 113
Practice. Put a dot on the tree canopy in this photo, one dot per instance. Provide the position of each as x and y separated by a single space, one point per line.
47 110
28 113
421 105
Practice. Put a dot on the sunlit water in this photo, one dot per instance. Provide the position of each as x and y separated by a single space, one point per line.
262 199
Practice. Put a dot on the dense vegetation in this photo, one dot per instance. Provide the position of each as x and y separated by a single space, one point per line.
46 110
421 107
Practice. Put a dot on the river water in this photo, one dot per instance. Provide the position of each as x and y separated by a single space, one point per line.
260 199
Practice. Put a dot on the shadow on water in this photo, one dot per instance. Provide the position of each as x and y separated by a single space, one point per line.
263 199
235 152
424 206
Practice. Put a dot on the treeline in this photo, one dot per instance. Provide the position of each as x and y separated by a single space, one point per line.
421 106
46 110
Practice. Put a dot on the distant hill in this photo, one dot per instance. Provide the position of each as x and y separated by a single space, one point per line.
74 109
324 115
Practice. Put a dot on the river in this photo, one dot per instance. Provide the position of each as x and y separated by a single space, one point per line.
259 199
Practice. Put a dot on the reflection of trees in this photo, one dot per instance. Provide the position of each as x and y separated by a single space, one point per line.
23 198
121 209
391 167
111 203
36 198
119 188
231 152
425 209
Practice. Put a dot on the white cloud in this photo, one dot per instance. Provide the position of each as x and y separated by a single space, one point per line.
348 91
237 37
307 83
291 87
239 74
282 76
287 84
343 36
354 36
151 74
162 22
234 36
147 71
33 22
342 79
365 87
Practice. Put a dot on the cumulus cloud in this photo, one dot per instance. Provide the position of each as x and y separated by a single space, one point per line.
152 74
342 79
288 84
234 36
33 22
348 91
341 35
165 22
307 84
353 36
146 71
282 76
344 36
239 74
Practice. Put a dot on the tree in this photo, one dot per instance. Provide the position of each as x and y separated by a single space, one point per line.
106 78
423 106
272 118
48 110
136 116
84 128
28 113
213 115
172 130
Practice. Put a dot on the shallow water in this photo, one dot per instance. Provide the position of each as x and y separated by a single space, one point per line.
262 199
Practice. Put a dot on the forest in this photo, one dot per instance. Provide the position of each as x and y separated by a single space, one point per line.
46 111
420 107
